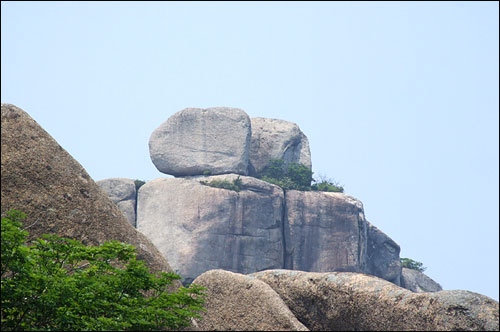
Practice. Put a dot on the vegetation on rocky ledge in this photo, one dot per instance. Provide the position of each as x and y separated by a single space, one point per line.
234 185
411 264
295 176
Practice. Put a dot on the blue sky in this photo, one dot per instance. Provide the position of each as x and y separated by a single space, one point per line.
399 100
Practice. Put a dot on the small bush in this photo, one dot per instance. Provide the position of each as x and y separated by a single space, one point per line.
296 177
411 264
275 170
300 175
327 186
292 177
235 185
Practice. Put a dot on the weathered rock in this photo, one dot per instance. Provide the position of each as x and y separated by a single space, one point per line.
383 256
277 139
236 302
324 232
200 228
418 282
122 192
359 302
200 141
41 179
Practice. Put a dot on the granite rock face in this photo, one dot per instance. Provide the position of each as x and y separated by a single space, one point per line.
325 232
199 228
202 141
122 192
418 282
277 139
41 179
236 302
383 256
342 301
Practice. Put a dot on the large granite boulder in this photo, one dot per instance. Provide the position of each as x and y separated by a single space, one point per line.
277 139
237 302
324 232
342 301
202 141
200 228
418 282
383 255
122 192
41 179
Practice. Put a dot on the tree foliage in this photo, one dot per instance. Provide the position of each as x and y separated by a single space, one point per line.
295 176
411 264
60 284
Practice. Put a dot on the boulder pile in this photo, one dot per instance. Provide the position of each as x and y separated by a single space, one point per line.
244 241
258 227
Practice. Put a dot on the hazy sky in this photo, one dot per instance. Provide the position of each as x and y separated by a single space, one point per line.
399 100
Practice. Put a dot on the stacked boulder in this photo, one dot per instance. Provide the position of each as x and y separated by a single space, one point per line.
257 226
277 139
261 226
202 141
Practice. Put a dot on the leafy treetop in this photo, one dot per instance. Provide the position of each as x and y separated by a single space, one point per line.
61 284
411 264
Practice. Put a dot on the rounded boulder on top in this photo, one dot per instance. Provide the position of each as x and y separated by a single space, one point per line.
198 141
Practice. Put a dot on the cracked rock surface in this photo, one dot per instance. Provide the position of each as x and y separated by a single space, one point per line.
197 141
343 301
237 302
44 181
199 228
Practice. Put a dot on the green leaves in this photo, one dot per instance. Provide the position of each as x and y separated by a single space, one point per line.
235 185
293 177
296 177
60 284
411 264
328 186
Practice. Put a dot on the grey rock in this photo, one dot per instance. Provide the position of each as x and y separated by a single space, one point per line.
418 282
342 301
200 228
197 141
325 232
383 256
122 192
236 302
277 139
44 181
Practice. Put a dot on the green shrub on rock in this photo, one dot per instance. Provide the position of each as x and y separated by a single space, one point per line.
411 264
292 177
296 177
327 186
